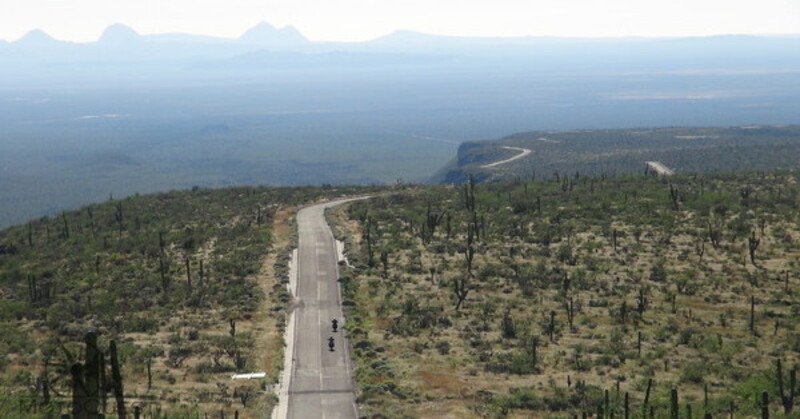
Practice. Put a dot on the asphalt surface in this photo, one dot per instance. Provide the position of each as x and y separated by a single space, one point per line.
522 153
321 383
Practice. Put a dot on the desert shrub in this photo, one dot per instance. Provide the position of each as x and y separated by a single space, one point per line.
695 372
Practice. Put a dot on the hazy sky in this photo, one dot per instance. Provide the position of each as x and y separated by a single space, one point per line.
353 20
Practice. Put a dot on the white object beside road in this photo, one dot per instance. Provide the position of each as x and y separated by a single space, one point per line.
249 376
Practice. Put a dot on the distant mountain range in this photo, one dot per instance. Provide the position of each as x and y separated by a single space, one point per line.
263 34
122 53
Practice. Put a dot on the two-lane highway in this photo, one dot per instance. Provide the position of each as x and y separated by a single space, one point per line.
321 384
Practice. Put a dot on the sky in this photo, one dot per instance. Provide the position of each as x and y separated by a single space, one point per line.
359 20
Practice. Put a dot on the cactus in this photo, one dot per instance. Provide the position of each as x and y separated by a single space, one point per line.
786 281
714 232
570 306
92 375
639 343
78 392
385 263
752 245
787 399
149 373
161 242
507 326
118 217
469 195
432 221
700 248
460 289
673 404
65 228
469 251
162 270
367 236
641 302
116 378
188 274
626 406
104 384
32 292
43 383
647 396
674 197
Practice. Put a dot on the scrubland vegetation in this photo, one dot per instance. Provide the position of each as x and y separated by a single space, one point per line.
621 151
571 295
187 285
553 297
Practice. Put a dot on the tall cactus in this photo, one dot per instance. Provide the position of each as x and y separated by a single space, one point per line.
79 395
116 378
673 404
188 274
92 375
787 399
752 245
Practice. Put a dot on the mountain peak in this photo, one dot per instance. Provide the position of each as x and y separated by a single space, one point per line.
36 37
265 33
119 33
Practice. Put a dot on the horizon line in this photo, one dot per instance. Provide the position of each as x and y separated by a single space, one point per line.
396 31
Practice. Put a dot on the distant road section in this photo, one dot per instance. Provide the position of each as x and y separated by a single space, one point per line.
659 168
522 153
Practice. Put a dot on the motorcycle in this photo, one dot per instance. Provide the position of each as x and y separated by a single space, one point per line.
330 343
334 325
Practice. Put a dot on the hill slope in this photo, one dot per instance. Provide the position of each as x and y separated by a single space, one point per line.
574 297
189 284
596 152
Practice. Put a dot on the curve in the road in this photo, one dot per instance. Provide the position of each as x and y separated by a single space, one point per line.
522 153
660 168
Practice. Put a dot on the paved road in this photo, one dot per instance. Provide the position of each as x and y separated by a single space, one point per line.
660 168
321 383
522 153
